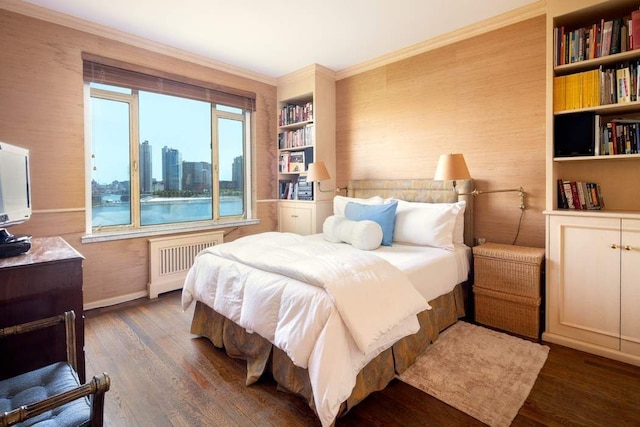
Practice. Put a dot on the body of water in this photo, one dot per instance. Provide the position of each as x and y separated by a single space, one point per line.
162 210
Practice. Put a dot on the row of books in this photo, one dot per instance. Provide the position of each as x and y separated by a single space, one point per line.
619 83
296 190
585 133
617 136
602 38
294 161
296 138
294 113
579 195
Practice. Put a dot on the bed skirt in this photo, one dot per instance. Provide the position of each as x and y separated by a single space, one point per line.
262 356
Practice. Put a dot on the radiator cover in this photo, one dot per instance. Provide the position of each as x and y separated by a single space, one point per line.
171 257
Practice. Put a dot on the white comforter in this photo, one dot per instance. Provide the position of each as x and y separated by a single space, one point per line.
331 308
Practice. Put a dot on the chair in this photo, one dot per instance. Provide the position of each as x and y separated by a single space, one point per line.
52 395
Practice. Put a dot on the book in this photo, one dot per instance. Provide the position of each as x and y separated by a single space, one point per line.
562 196
607 28
623 83
608 92
611 146
635 29
616 30
569 194
599 195
574 192
581 195
296 161
283 162
587 195
558 35
559 93
591 88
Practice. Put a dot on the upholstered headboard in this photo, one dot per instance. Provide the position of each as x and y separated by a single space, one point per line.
420 190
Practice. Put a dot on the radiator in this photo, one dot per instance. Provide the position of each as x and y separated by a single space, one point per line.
171 257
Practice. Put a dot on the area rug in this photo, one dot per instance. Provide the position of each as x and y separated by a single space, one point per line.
484 373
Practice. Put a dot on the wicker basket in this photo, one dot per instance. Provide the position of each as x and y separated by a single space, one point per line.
511 269
512 313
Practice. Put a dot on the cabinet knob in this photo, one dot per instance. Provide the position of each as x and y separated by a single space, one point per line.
627 248
614 246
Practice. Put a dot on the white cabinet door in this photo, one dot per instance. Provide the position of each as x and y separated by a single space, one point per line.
630 287
584 287
295 218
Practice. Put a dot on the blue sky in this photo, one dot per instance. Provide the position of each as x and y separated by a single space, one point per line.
178 123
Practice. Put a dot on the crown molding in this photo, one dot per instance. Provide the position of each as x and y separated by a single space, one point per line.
530 11
44 14
309 70
521 14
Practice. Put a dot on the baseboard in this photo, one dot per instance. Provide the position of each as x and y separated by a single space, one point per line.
591 348
170 285
116 300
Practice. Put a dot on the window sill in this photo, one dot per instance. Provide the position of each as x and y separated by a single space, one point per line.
105 236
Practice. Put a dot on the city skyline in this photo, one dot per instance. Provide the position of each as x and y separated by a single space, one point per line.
181 174
180 123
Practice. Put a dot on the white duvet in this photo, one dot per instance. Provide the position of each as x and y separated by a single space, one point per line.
331 308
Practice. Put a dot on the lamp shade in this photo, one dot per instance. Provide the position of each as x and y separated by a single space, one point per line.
451 166
317 172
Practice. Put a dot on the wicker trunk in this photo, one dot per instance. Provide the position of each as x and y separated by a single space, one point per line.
507 287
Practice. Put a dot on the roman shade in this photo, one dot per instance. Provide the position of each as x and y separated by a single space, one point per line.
98 69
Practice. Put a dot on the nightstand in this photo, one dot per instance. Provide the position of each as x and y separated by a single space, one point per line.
507 287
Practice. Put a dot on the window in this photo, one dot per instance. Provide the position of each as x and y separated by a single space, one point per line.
164 152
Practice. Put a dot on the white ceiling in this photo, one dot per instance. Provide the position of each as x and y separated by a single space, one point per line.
275 37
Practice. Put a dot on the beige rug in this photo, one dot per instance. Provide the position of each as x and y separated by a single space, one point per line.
484 373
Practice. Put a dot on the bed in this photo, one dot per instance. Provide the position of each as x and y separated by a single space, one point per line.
313 338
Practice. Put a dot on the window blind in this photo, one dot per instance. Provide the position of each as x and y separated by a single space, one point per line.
97 69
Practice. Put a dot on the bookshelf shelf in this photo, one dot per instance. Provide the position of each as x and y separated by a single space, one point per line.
588 64
597 158
620 108
297 125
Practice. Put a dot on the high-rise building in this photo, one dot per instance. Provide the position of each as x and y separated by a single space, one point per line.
171 168
146 180
196 176
237 173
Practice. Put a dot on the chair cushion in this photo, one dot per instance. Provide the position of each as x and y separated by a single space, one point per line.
37 385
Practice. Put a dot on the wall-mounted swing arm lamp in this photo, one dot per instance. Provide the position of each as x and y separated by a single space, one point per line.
317 172
453 167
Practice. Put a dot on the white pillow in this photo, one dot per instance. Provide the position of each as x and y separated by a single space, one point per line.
365 235
339 203
426 224
458 229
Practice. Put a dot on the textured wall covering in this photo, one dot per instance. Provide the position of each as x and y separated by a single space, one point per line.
483 96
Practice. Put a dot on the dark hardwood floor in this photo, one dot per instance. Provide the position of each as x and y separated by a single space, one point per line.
161 375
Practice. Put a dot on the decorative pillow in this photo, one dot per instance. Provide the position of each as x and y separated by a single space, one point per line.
365 235
426 224
339 203
382 214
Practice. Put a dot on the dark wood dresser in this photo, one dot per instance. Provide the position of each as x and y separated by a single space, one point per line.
45 281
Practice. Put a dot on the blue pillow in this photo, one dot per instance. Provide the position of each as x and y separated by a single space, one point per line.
385 215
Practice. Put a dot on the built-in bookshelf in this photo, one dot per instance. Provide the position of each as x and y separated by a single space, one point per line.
306 134
296 146
595 79
593 167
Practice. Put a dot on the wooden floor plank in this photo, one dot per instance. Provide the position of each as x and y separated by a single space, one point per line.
164 376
